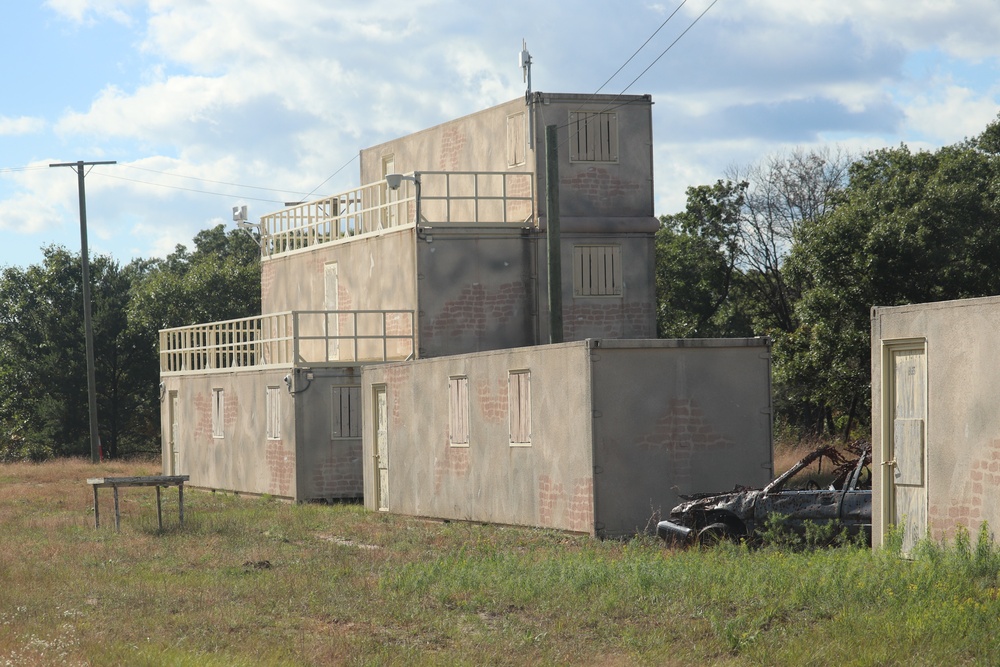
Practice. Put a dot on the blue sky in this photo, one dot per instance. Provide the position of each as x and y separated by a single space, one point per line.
206 104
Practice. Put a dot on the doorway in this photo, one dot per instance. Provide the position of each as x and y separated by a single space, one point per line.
904 437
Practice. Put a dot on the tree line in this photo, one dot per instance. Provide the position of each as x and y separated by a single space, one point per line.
798 247
801 246
43 380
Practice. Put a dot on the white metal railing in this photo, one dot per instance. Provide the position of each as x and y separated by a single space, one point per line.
297 338
435 198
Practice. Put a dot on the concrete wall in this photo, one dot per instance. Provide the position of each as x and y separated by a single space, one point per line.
375 273
304 463
614 426
677 417
962 428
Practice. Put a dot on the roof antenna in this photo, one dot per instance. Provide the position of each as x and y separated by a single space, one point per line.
524 61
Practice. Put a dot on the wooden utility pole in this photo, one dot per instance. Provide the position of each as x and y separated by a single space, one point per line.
88 327
554 245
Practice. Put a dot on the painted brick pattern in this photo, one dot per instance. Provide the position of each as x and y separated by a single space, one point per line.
968 508
681 430
577 509
281 468
454 462
203 417
395 377
453 143
607 318
338 472
600 187
475 308
519 187
267 273
492 400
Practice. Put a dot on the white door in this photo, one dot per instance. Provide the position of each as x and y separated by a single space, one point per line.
381 449
331 302
906 455
172 453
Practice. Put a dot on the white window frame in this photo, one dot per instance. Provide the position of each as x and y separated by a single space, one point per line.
458 411
519 407
273 413
218 412
345 412
593 136
516 142
597 271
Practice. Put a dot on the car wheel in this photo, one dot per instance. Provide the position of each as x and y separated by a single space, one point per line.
714 533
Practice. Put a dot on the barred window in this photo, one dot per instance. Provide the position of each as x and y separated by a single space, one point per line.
593 137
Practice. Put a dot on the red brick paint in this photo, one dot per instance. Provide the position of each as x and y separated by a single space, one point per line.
576 509
608 318
281 468
453 142
476 308
600 188
967 504
492 400
338 471
452 462
681 430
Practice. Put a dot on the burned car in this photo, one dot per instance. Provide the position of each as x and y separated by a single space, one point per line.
806 492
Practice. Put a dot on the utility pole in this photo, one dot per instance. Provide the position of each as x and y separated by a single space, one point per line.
554 244
95 439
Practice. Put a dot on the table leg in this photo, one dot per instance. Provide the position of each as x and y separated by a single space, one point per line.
118 519
159 511
97 510
180 501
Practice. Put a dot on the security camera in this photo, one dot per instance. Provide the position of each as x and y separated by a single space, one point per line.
393 181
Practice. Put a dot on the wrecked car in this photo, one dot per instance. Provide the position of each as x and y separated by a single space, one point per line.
841 491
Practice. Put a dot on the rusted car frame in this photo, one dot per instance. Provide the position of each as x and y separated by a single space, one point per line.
743 512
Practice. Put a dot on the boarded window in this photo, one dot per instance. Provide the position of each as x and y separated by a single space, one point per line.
458 411
597 270
273 413
346 413
218 413
515 139
593 137
519 406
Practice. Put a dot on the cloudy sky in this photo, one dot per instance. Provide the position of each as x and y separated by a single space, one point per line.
206 104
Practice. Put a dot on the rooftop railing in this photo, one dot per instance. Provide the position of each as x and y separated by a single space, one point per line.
297 338
434 198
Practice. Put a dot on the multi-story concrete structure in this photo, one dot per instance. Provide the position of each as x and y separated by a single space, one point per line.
449 258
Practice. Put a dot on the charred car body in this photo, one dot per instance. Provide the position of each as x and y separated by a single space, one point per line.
804 493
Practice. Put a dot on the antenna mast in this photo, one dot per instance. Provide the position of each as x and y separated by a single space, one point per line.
524 60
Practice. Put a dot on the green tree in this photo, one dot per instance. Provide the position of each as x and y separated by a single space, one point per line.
696 255
912 227
43 381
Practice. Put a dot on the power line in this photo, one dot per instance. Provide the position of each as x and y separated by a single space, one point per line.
344 166
202 192
648 40
664 52
208 180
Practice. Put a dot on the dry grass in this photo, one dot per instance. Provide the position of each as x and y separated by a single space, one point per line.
250 581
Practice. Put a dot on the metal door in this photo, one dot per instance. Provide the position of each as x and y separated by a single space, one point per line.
905 459
381 449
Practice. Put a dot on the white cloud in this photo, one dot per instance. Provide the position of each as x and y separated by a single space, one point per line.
20 125
88 11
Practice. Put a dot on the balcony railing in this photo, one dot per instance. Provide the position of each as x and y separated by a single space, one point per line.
437 198
298 338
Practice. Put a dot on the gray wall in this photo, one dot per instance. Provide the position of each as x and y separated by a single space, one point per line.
677 417
618 428
305 463
962 417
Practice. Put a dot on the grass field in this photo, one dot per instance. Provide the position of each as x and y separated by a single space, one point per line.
251 581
